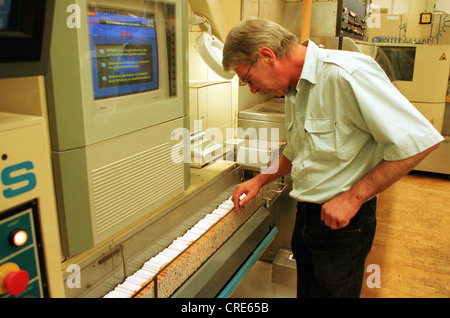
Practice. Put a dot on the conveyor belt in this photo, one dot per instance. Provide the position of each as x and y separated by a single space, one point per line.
221 273
164 273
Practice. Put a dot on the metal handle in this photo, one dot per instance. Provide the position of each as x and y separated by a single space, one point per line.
269 200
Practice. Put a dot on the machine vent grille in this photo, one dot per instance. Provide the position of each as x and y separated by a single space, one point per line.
123 188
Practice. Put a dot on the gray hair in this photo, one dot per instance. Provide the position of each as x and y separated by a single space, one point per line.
247 37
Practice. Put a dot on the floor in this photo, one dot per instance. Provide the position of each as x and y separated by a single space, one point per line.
410 257
412 242
258 284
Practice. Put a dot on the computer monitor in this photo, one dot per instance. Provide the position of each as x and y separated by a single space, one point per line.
124 50
123 65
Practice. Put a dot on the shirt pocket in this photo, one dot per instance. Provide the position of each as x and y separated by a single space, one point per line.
321 138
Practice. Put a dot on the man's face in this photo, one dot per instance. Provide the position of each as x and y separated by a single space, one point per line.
261 76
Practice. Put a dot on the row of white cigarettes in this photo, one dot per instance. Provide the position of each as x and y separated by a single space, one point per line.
148 271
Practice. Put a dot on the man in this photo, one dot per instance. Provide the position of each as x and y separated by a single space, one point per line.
350 135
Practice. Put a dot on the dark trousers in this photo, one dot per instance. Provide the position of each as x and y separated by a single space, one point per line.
330 263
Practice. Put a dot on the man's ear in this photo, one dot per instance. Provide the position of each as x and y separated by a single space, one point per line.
266 54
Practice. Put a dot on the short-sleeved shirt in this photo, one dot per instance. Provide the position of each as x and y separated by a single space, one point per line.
344 117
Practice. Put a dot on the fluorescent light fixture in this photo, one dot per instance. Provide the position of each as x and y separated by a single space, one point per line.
210 48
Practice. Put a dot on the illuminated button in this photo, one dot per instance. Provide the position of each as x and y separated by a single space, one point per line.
18 237
16 282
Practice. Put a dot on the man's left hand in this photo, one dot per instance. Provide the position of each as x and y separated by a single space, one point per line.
338 212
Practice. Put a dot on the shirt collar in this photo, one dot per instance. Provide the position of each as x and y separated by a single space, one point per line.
291 93
309 68
310 65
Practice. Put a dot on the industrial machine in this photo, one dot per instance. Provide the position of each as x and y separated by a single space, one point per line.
30 253
119 122
117 95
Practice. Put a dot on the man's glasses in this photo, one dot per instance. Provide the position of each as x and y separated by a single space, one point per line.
246 74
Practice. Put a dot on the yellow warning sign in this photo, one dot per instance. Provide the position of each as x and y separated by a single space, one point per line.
443 57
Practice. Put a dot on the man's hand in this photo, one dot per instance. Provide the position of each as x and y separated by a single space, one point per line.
338 212
250 188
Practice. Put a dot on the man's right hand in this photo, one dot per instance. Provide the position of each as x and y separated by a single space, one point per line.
250 188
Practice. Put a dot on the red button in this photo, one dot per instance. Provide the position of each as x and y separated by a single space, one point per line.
16 282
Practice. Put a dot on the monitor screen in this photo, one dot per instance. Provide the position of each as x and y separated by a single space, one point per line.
124 52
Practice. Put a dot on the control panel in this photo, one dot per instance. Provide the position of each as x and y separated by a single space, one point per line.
21 258
353 23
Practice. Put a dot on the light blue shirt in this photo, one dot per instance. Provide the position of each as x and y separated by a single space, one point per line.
343 119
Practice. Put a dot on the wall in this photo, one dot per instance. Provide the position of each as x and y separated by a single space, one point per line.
401 18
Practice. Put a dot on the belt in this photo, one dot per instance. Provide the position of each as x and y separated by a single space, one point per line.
318 206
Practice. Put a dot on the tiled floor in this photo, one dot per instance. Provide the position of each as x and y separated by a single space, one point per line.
258 284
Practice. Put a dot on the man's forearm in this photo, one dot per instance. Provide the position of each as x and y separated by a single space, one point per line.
338 212
384 175
280 168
